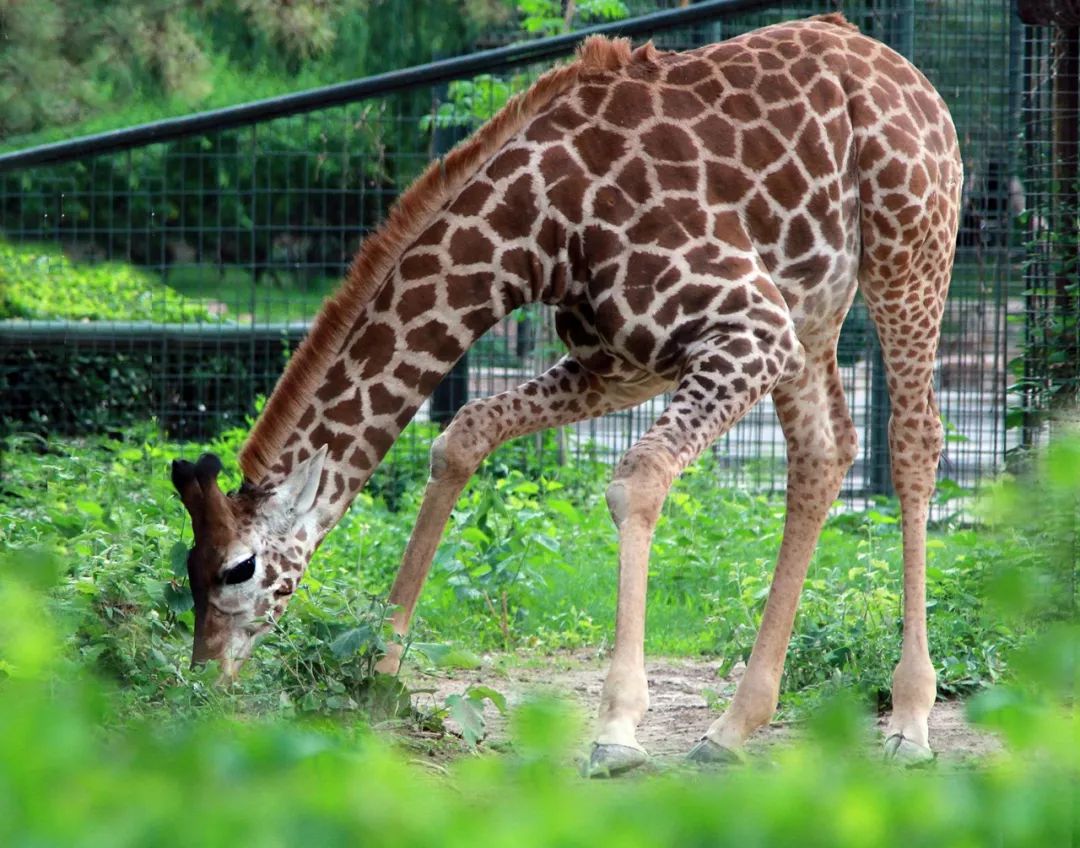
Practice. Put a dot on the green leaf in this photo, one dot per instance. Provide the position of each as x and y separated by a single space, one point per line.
435 652
178 556
565 509
459 658
469 714
475 535
91 508
547 542
353 640
480 693
177 598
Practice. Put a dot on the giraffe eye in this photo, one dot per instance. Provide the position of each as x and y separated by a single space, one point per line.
240 573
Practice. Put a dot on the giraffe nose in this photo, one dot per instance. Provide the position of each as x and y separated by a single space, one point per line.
287 587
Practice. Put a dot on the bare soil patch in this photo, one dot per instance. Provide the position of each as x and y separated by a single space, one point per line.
680 692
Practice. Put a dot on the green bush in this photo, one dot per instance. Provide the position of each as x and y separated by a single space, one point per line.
194 391
99 708
213 777
38 281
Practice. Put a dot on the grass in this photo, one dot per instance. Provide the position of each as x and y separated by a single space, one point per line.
234 294
98 706
41 282
528 564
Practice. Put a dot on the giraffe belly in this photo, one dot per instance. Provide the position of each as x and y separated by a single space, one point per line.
818 305
633 332
576 326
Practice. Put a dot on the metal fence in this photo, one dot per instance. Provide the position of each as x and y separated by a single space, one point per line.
237 223
1046 388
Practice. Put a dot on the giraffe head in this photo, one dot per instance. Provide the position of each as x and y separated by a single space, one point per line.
251 549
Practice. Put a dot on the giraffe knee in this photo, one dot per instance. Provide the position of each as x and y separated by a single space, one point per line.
638 490
618 501
460 448
439 457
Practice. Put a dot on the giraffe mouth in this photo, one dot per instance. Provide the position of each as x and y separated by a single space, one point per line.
222 612
230 668
286 591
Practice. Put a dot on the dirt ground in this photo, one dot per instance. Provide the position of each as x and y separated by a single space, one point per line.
680 692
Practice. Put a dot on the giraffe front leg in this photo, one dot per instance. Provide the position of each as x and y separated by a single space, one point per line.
716 390
634 499
562 395
443 490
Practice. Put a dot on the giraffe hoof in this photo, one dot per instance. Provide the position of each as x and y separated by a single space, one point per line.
611 760
709 753
905 752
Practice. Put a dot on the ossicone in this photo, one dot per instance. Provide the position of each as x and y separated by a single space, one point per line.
197 485
183 474
207 470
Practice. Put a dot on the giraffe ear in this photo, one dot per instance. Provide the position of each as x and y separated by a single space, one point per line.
300 488
183 479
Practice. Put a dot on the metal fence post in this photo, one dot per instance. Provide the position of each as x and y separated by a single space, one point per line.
1066 55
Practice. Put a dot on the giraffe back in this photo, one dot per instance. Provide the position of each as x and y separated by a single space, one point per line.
665 196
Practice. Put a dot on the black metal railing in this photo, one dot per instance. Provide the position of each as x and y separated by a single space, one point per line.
381 85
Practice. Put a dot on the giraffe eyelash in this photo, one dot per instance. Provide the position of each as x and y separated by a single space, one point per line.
239 573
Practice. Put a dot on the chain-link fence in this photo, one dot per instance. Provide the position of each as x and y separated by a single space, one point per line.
167 271
1046 216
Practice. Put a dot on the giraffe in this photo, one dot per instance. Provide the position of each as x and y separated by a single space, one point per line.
701 222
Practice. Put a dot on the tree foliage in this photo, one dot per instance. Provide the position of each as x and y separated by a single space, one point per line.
64 62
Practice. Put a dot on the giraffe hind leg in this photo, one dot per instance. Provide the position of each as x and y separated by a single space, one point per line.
822 444
908 329
705 405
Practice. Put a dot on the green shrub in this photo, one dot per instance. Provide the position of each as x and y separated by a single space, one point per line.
528 561
194 391
38 281
76 769
98 706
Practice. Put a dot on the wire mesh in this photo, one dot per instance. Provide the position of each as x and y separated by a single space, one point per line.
233 237
1047 373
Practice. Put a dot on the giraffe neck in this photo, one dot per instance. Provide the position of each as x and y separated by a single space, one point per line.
429 311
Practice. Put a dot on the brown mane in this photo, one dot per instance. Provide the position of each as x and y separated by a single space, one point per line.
380 251
836 19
